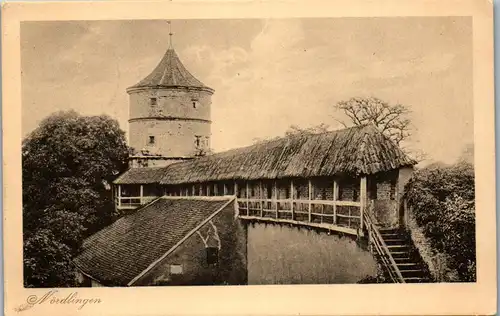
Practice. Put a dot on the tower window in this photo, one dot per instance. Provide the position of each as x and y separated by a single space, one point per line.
152 101
197 141
195 103
212 255
151 140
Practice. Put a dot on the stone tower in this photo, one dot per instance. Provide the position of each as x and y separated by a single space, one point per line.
169 118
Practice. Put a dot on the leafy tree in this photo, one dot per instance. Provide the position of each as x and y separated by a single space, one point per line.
392 120
67 163
443 202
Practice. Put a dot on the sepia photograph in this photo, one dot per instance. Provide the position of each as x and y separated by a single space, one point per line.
179 152
171 153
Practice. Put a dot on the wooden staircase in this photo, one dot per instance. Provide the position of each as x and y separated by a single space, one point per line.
396 253
405 255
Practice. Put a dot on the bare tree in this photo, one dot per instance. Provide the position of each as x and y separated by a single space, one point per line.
294 130
392 120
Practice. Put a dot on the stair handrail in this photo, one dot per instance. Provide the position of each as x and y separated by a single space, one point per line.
383 250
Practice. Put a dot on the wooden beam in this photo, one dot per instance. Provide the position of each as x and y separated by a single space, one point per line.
291 198
260 203
309 199
363 200
335 198
405 210
275 197
247 192
119 195
331 227
141 194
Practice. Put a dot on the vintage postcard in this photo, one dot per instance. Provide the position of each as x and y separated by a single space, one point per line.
257 158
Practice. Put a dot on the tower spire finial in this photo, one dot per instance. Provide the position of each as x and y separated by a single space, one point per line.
170 33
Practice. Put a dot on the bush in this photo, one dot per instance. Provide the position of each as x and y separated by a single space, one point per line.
442 199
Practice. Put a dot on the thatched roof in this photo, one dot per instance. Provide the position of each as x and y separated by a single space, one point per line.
355 151
142 175
119 252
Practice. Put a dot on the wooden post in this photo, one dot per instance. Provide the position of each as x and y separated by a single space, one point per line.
260 197
248 211
225 188
119 196
405 210
275 196
141 194
236 189
291 198
216 189
309 198
362 200
193 190
335 197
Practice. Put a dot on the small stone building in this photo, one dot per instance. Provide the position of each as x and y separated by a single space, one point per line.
171 241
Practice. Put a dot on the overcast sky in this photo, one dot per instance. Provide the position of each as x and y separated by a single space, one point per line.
267 74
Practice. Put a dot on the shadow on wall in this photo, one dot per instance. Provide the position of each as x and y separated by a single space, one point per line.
288 255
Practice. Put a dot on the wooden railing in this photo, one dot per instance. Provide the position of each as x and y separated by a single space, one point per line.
133 202
340 213
378 245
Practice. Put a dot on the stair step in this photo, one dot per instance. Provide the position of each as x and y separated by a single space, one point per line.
412 273
389 230
400 254
415 280
395 241
398 247
407 266
390 236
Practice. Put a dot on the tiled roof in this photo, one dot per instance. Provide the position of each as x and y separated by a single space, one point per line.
170 72
121 251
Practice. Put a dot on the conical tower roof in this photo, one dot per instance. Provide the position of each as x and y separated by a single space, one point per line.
170 73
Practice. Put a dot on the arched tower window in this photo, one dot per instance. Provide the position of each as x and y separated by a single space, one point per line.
195 103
